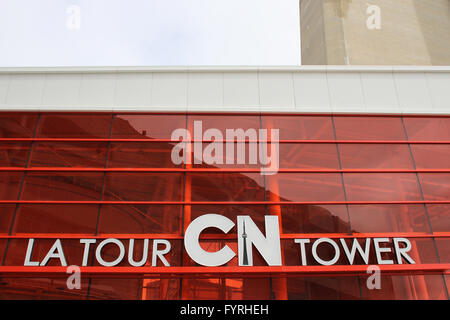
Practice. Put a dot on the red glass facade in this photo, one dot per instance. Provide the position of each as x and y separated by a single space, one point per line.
99 175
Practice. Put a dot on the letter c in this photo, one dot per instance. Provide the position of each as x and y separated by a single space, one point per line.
192 245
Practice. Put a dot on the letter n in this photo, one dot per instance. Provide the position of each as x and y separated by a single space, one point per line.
268 246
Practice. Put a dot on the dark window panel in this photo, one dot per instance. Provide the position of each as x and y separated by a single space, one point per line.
435 186
226 289
399 287
17 125
443 245
382 187
308 156
369 128
56 218
226 186
160 289
440 158
68 186
157 126
424 129
312 218
6 215
388 218
143 186
141 155
41 289
323 288
14 154
116 289
304 187
10 183
86 126
140 219
300 127
375 156
77 154
439 216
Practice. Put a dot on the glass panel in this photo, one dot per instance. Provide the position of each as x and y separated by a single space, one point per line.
17 125
375 156
226 289
14 154
143 186
157 126
116 289
439 159
226 186
41 289
2 247
439 216
141 155
443 245
10 185
56 218
382 187
388 218
309 156
406 288
428 129
300 127
435 186
127 219
69 186
6 215
312 218
161 289
447 282
88 126
79 154
305 187
323 288
423 251
369 128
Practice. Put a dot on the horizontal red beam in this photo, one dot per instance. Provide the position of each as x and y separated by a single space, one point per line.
149 140
217 170
232 271
171 236
193 203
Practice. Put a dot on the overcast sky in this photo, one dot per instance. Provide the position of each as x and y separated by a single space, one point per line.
149 32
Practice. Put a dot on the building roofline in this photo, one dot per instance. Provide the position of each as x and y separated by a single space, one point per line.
322 68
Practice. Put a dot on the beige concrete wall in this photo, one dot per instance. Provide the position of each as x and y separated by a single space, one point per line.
413 32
